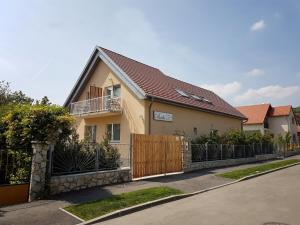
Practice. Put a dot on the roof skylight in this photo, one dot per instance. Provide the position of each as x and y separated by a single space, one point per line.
197 97
182 93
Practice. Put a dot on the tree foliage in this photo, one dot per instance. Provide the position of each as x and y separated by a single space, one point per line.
27 123
7 96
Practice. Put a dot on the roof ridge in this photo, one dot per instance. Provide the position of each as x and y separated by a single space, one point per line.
127 57
254 105
185 82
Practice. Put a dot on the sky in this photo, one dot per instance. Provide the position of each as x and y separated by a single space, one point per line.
248 51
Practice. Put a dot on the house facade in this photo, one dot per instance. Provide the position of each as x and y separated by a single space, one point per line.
265 118
119 96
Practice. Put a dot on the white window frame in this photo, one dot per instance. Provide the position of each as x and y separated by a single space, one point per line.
112 132
93 133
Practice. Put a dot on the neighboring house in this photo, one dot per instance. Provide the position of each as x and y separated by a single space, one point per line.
267 119
119 95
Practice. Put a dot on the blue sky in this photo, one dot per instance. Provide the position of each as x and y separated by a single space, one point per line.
246 51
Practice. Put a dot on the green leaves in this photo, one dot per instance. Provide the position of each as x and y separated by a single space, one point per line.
27 123
235 137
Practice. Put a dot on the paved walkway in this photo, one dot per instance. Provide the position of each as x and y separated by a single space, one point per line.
46 212
274 197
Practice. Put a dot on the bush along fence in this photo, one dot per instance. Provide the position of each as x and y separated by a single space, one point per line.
79 166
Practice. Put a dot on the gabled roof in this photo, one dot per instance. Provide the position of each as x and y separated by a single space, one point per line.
150 82
256 114
281 110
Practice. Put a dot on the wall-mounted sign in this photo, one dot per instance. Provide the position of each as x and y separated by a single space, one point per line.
163 116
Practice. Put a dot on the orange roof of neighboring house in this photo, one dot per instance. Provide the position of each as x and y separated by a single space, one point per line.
256 114
281 110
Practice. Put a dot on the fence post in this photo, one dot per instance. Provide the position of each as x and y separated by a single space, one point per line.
233 153
206 153
261 148
97 159
38 170
221 148
244 151
50 160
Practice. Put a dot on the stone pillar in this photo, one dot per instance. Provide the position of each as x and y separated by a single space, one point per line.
187 155
38 170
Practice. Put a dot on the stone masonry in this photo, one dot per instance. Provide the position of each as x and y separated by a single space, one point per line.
38 170
65 183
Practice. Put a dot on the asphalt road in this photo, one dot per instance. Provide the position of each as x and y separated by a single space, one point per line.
274 197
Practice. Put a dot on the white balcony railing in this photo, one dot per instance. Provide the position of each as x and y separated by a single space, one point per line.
101 104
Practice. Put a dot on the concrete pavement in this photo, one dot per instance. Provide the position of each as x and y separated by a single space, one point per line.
274 197
46 212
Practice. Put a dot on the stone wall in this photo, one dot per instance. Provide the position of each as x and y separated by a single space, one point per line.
291 153
65 183
38 171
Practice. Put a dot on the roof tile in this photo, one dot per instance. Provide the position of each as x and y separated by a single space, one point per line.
156 84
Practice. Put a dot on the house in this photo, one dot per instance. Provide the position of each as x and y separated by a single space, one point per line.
120 96
265 118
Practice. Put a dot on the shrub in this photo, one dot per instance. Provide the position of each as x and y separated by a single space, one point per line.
27 123
109 156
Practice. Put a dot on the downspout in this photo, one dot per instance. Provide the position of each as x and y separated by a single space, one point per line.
150 116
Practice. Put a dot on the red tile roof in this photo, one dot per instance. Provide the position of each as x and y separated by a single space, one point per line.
256 114
156 84
281 110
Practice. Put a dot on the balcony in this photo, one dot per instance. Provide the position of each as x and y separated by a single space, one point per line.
96 106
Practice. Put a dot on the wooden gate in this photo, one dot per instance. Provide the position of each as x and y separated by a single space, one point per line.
156 154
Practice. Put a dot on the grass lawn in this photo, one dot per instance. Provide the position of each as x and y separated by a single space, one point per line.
90 210
238 174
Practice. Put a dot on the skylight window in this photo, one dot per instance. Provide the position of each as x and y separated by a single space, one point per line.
197 97
202 99
182 93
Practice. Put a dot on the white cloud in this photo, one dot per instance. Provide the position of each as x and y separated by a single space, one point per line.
224 90
271 93
259 25
256 72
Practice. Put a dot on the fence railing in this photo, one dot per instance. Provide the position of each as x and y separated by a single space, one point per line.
105 103
212 152
88 158
15 165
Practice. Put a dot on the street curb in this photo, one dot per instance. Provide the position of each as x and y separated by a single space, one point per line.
146 205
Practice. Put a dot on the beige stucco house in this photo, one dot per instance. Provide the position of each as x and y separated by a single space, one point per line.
265 118
119 95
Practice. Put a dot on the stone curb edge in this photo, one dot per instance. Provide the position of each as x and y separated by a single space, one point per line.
150 204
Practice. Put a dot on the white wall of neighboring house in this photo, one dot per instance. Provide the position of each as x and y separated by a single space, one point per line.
282 124
254 127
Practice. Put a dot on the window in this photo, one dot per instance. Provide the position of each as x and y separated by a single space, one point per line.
113 131
182 93
90 133
195 131
197 97
113 91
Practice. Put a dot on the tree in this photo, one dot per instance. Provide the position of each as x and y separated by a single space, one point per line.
9 97
44 101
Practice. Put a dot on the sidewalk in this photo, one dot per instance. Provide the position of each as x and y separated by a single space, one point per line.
46 212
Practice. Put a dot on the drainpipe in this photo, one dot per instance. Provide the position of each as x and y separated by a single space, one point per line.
150 116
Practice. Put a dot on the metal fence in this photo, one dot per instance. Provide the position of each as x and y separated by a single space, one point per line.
212 152
88 158
15 165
